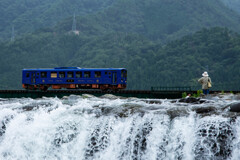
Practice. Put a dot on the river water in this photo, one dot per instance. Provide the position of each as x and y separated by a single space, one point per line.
115 128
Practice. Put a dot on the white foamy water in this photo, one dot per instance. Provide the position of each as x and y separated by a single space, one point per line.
109 127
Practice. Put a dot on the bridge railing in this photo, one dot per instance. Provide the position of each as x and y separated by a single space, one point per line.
163 88
215 87
225 87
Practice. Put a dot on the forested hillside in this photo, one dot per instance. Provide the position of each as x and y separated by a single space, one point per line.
29 15
180 62
233 4
146 37
215 50
162 20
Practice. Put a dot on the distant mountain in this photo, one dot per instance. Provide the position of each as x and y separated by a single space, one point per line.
178 63
157 19
233 4
29 15
134 34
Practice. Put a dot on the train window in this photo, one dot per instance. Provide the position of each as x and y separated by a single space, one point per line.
27 75
61 74
70 74
53 74
78 74
43 74
98 74
105 73
87 74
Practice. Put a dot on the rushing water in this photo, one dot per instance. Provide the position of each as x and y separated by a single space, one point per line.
115 128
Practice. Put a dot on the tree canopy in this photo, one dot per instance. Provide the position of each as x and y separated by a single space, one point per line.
149 63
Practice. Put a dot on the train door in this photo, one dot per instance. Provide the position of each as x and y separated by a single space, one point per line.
33 80
114 77
34 77
27 78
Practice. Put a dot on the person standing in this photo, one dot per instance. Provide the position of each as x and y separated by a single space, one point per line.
204 82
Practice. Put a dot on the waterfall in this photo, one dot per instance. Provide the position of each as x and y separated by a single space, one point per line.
109 127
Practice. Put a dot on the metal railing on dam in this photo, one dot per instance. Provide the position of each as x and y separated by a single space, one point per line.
62 93
172 93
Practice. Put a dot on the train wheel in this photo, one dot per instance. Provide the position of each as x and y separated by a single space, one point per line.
44 88
31 87
27 87
104 87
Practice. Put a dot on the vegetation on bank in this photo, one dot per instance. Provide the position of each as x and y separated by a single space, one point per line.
178 63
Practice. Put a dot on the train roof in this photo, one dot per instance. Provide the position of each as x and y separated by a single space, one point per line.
71 69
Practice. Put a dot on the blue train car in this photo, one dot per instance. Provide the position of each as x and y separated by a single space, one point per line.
74 78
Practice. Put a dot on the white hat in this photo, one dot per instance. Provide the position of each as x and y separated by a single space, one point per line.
205 74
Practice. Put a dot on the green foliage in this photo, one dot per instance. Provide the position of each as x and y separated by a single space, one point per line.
123 33
198 94
156 19
184 94
179 63
233 4
29 15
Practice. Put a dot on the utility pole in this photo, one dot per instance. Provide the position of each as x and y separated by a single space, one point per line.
74 24
13 34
